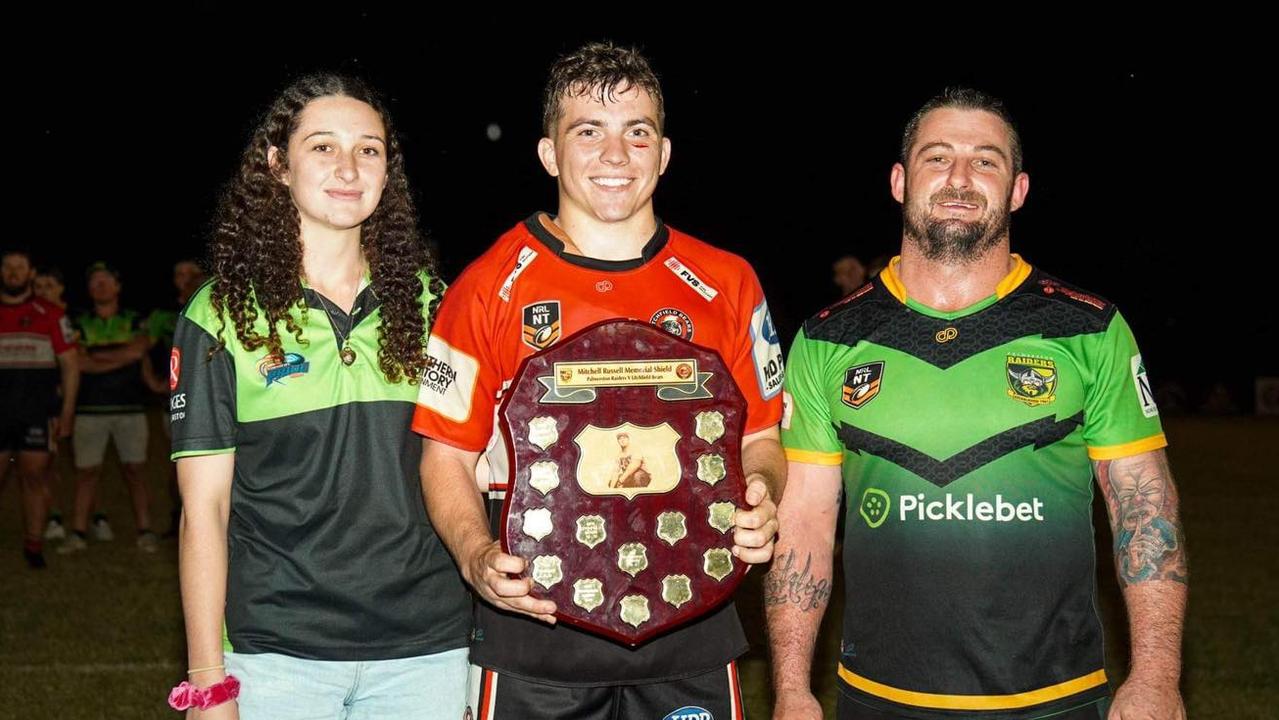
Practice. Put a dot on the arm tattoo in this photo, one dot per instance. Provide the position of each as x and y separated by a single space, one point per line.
1149 541
784 583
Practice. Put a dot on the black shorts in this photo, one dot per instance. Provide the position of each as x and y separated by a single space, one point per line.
19 434
715 695
849 709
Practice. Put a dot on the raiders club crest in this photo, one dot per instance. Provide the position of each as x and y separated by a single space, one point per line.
1032 380
541 324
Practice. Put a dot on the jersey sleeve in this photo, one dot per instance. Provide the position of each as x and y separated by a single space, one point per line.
202 404
62 334
1120 416
459 388
807 433
757 364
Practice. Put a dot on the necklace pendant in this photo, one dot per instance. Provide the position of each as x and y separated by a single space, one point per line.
347 355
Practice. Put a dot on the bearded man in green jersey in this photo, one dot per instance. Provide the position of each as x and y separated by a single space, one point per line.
964 400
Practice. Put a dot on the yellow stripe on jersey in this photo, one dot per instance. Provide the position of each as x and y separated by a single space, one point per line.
812 457
1137 447
974 702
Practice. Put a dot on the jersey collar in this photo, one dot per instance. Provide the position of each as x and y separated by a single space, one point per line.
542 227
1015 277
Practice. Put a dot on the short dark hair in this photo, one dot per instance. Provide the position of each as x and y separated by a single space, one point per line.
102 266
600 69
963 98
53 272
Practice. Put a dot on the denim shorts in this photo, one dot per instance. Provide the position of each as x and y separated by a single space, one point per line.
279 687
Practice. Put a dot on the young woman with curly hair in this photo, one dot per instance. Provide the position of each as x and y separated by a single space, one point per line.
309 569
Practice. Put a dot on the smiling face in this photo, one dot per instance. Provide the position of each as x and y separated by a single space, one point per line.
606 155
958 187
336 163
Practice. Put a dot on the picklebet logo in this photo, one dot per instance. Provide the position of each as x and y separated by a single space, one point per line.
875 507
877 504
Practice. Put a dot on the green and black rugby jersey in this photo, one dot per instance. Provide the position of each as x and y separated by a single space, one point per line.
965 440
331 553
120 390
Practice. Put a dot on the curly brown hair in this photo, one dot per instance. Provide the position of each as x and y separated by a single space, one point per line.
600 69
256 249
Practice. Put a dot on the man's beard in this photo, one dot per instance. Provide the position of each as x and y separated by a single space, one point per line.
15 290
954 241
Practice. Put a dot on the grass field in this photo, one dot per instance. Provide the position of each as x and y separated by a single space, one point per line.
99 634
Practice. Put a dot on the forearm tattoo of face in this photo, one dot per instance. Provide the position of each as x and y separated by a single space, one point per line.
1147 532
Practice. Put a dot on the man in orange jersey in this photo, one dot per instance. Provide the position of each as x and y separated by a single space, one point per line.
604 255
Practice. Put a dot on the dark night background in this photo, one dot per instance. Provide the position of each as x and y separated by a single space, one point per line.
782 143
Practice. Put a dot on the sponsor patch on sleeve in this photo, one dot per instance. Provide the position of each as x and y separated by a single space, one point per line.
449 381
175 368
1144 394
766 347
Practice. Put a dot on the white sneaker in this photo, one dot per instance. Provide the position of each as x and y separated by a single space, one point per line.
73 544
148 542
101 530
55 531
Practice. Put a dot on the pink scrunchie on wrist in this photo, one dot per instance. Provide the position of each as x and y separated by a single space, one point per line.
186 695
